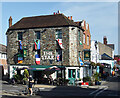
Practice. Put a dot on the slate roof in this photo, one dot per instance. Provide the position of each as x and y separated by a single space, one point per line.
3 48
57 20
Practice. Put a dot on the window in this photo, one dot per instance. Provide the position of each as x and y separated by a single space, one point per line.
20 35
86 26
84 38
79 35
58 54
79 53
38 34
59 34
87 40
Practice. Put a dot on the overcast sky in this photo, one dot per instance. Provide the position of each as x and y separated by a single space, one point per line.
101 16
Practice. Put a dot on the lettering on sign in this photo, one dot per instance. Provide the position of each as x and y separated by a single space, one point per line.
47 55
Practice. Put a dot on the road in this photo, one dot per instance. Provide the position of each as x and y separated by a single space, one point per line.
111 88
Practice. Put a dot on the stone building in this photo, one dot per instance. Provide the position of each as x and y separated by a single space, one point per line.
40 42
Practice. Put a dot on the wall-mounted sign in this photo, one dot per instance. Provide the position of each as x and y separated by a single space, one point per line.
47 55
86 55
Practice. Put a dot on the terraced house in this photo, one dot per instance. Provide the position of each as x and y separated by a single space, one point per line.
45 42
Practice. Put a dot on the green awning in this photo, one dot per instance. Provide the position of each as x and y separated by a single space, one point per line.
43 67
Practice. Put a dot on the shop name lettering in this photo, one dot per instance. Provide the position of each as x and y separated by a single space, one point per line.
47 56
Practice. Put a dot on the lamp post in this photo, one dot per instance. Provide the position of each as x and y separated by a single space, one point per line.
96 50
96 54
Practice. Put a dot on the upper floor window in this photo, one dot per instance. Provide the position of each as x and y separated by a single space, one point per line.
38 34
59 34
84 38
20 35
87 40
86 26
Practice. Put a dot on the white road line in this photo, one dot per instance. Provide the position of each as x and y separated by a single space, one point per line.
95 91
14 90
100 91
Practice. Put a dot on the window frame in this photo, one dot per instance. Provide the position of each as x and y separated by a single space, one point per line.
20 35
58 33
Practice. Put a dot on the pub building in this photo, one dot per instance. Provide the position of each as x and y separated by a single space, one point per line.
47 45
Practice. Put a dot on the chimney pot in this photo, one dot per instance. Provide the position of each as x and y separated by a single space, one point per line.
10 21
71 17
105 40
68 17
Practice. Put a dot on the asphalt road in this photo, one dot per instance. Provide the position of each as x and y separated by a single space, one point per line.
110 89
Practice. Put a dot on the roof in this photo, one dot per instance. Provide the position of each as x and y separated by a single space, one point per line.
106 57
111 46
57 20
3 48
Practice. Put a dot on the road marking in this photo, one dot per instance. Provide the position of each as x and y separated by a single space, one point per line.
15 90
41 88
95 91
100 92
15 86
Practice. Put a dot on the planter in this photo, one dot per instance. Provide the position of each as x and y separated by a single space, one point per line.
97 83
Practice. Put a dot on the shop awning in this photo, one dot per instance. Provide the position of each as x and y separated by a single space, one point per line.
43 67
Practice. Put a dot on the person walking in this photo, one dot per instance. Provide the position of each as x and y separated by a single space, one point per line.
31 81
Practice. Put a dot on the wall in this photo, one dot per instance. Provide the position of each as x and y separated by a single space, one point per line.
104 49
47 42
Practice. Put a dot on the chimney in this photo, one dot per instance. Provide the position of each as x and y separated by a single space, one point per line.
68 17
10 21
71 17
105 40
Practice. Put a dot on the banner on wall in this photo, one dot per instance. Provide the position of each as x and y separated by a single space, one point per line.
81 62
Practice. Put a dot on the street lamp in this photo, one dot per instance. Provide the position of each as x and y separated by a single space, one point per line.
96 50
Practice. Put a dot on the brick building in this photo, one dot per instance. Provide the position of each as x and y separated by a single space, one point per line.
40 42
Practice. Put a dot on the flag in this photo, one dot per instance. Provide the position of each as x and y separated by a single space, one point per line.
37 59
81 62
20 45
60 43
35 45
58 57
38 45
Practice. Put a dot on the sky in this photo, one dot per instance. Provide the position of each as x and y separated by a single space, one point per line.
101 16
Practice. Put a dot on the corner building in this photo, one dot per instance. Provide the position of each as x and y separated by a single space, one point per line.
42 42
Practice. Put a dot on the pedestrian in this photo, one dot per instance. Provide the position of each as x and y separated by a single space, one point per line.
30 84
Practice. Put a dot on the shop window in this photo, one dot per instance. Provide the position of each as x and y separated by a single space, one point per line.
69 73
78 73
59 54
73 74
20 35
58 34
37 33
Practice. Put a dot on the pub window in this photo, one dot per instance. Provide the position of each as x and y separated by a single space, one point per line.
58 34
20 35
37 34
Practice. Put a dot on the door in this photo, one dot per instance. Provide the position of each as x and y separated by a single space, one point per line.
72 76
